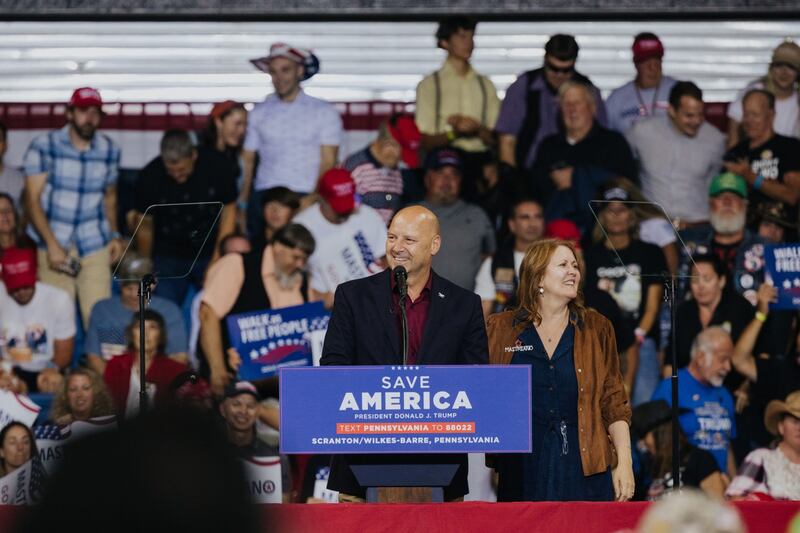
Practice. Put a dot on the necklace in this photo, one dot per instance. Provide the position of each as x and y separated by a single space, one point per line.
643 108
550 335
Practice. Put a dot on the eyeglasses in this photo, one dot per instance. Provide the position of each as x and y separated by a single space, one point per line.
559 70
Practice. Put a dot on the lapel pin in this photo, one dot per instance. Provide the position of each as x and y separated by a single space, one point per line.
441 295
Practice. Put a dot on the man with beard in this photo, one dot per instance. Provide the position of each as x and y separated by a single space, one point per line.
708 414
741 251
267 278
71 199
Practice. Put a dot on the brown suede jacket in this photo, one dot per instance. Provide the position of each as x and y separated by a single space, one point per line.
602 399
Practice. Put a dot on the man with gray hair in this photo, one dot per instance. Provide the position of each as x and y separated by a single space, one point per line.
182 174
707 407
581 157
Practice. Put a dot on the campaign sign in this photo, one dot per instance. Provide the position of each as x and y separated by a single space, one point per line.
17 407
405 409
269 340
263 475
783 270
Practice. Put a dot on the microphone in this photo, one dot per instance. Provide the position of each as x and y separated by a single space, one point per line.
401 278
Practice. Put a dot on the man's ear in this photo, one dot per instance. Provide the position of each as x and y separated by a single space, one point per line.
436 243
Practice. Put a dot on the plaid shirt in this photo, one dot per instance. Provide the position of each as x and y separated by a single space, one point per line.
72 198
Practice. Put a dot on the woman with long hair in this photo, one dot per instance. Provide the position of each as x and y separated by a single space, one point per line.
581 415
83 396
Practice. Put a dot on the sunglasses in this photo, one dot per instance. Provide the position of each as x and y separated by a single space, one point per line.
559 70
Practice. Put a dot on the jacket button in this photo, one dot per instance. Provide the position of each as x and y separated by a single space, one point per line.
579 370
581 389
584 449
580 408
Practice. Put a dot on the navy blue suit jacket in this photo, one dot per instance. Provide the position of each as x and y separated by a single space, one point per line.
363 327
363 330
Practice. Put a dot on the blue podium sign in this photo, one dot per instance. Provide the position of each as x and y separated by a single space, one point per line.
783 269
399 409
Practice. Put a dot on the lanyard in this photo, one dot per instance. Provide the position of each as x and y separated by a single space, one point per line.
643 108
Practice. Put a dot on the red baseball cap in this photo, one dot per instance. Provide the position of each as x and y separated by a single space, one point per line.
86 97
18 268
565 229
404 130
646 47
337 188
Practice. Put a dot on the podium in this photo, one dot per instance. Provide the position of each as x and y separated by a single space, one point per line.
405 410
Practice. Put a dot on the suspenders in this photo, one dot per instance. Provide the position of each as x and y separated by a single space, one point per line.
436 83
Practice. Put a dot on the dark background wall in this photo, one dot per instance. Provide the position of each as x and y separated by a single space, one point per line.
397 9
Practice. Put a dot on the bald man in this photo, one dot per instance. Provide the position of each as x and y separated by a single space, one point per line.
445 327
708 414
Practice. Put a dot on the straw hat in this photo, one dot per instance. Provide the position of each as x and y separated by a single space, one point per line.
776 409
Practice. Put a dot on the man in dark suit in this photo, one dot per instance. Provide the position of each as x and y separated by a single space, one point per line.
445 326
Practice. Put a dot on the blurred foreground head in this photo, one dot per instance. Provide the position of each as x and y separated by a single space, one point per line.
168 471
690 511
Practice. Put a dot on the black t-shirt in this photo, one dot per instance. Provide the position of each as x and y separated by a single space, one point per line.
726 253
699 465
629 281
601 148
604 303
776 377
773 160
180 230
733 312
696 466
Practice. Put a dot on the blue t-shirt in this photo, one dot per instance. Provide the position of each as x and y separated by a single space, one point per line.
709 422
105 335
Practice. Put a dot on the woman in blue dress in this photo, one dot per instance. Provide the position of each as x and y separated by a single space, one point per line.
580 410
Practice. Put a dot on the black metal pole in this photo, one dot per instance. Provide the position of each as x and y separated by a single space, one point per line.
404 327
145 286
676 455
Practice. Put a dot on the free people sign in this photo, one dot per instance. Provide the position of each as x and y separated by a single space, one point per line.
406 409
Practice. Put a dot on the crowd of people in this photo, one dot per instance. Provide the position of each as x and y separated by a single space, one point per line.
639 185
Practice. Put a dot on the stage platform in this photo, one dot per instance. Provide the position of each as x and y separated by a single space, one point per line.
473 517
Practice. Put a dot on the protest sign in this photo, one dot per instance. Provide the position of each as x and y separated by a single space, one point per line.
17 407
394 409
783 271
277 338
263 475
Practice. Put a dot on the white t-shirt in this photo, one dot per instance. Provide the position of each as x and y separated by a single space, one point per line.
345 251
484 284
27 331
787 112
657 231
134 388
